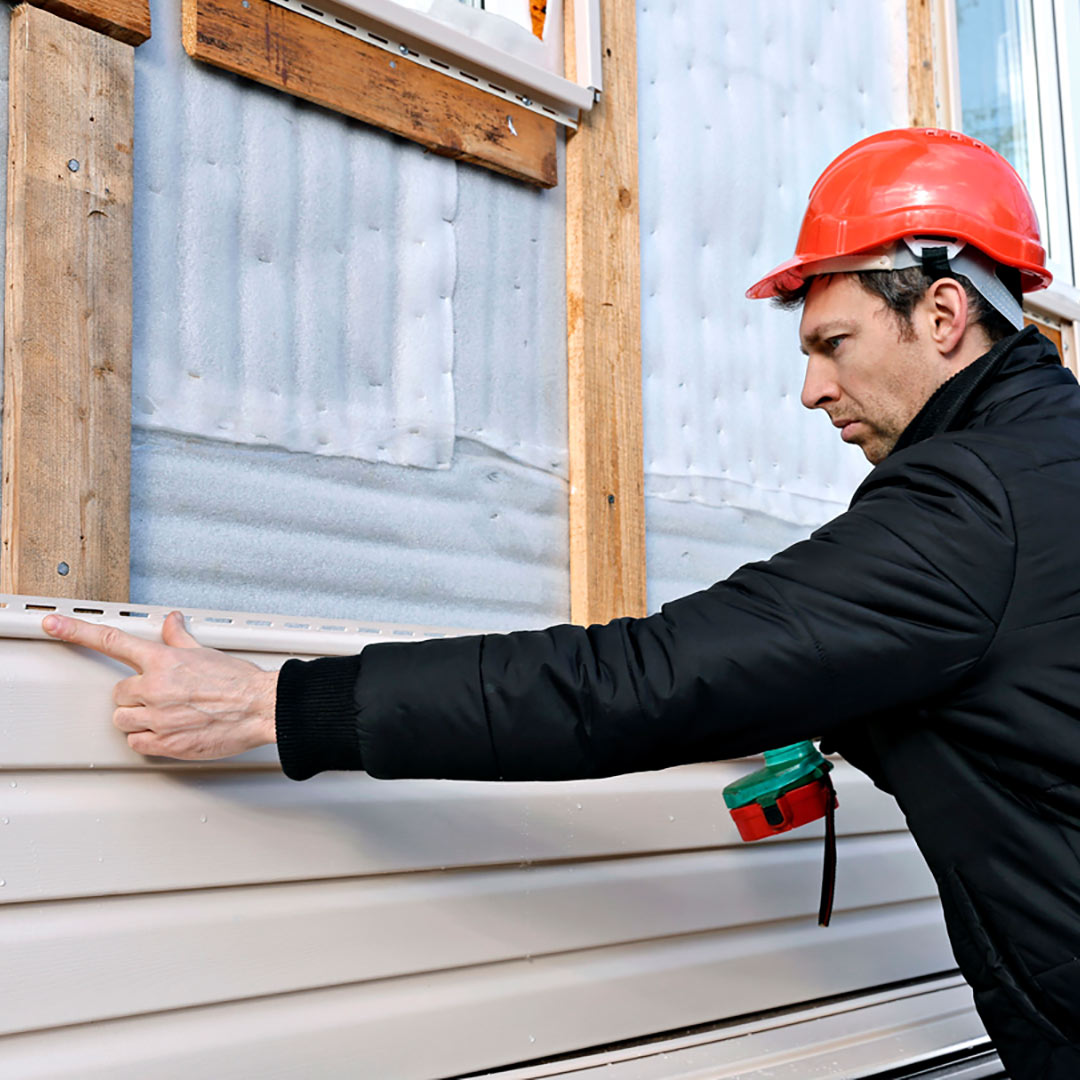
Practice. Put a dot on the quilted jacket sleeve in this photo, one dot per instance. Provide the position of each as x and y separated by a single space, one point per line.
891 603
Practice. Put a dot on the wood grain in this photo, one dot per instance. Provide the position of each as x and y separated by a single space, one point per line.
284 50
922 100
126 20
67 316
603 299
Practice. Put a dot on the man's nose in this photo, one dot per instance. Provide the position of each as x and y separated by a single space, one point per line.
819 386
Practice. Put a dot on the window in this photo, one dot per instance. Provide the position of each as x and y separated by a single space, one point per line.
1019 94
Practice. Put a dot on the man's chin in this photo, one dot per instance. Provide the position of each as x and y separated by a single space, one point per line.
877 450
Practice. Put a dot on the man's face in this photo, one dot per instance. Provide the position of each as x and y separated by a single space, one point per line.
859 369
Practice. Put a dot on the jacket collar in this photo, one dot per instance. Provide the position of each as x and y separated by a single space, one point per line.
982 392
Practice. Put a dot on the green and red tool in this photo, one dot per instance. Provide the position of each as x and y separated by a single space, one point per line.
792 789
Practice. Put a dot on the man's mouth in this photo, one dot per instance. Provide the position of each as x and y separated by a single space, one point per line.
848 428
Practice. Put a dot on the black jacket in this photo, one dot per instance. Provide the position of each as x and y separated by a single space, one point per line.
931 634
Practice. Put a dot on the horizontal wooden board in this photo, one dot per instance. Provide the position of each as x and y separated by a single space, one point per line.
85 960
126 20
446 1023
68 834
289 52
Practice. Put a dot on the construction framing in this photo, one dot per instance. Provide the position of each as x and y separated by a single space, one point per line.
66 423
603 302
64 520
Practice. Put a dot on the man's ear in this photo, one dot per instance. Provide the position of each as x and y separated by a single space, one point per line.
947 310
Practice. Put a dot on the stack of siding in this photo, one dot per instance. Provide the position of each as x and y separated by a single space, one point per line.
164 919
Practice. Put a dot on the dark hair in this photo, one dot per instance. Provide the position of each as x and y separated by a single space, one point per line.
903 289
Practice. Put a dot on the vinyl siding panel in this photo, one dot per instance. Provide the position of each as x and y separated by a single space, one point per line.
444 1023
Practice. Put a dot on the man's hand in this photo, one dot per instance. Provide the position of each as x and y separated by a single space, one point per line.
186 701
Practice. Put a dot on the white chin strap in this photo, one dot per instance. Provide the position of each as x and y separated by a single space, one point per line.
978 268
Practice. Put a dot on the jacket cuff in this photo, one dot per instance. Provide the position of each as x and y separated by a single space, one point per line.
316 716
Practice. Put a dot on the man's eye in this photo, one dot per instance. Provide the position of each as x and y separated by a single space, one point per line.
833 343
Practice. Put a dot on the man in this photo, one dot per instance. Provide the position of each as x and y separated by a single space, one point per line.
931 633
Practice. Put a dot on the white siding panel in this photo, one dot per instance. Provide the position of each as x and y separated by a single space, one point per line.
70 834
863 1036
85 960
446 1023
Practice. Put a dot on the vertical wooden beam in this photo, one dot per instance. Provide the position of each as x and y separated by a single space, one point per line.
933 66
603 298
922 108
67 315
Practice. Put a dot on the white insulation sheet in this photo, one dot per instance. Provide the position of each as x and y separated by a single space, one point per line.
301 277
294 276
349 363
740 108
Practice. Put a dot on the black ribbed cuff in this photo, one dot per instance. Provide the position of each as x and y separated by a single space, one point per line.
316 716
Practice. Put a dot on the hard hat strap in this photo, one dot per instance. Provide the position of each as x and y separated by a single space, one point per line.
939 257
943 259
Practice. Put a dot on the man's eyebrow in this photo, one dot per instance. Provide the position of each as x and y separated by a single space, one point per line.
825 330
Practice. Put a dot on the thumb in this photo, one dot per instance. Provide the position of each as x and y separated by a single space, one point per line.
175 634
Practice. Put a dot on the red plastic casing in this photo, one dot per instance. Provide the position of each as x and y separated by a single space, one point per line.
798 807
923 181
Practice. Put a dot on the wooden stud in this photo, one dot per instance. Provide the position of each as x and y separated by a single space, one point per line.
603 299
1051 330
289 52
67 317
922 107
126 20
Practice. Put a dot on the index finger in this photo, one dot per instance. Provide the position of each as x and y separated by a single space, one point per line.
103 639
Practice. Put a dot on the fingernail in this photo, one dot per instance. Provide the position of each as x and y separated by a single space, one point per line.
53 624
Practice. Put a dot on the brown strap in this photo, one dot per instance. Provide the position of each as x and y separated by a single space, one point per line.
828 869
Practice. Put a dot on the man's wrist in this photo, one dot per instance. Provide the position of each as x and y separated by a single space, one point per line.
268 707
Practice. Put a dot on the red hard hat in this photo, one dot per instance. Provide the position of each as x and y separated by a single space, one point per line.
916 181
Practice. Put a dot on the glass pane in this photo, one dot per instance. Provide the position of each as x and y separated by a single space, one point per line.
996 50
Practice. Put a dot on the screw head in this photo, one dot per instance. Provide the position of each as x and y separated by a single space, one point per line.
73 165
63 569
403 49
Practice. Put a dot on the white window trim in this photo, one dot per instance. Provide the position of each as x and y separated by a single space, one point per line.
419 38
1060 300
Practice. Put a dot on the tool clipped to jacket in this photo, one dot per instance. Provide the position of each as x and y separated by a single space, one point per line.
792 789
